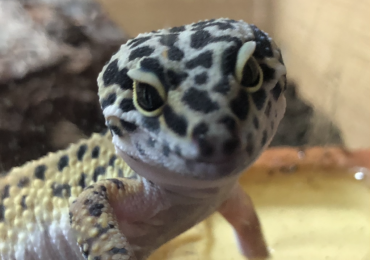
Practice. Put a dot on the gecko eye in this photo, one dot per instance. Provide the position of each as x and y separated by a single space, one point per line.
247 71
149 94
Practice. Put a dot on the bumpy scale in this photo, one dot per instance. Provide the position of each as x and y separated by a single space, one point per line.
188 108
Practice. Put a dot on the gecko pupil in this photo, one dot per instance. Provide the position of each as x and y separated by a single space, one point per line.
250 74
148 97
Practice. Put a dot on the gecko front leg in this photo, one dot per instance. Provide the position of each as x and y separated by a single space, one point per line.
110 212
93 219
239 211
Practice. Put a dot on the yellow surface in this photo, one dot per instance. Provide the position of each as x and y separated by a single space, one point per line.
305 215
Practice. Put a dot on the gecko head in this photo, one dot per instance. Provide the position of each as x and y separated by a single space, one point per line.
199 101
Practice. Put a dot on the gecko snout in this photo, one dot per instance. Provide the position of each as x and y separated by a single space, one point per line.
216 145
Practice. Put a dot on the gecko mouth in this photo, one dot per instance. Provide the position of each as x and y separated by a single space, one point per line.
194 174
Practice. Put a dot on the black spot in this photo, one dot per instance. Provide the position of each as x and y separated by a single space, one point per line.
115 129
140 149
175 54
259 98
40 172
151 123
177 29
5 193
230 146
87 202
201 78
100 170
227 38
199 39
128 126
268 73
119 184
175 78
151 142
126 105
23 202
199 100
177 123
85 254
70 217
103 188
23 182
109 100
169 39
116 250
81 152
58 190
166 150
264 138
137 41
95 152
222 86
204 59
220 25
112 75
276 91
96 209
229 60
255 122
268 109
63 162
200 130
112 160
240 105
2 212
82 181
140 52
154 66
201 23
229 122
263 45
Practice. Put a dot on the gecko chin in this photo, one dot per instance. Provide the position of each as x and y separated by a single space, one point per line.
179 171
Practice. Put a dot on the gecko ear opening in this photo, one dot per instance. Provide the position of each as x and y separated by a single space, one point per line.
247 70
149 95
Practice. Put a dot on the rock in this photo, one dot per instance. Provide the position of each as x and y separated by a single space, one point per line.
50 55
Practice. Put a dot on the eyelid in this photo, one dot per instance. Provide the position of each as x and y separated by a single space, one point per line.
244 54
147 77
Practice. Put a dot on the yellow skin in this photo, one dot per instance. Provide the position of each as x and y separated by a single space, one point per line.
183 152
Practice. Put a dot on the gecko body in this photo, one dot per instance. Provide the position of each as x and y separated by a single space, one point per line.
188 109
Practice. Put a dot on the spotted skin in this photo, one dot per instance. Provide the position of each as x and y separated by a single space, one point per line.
183 125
